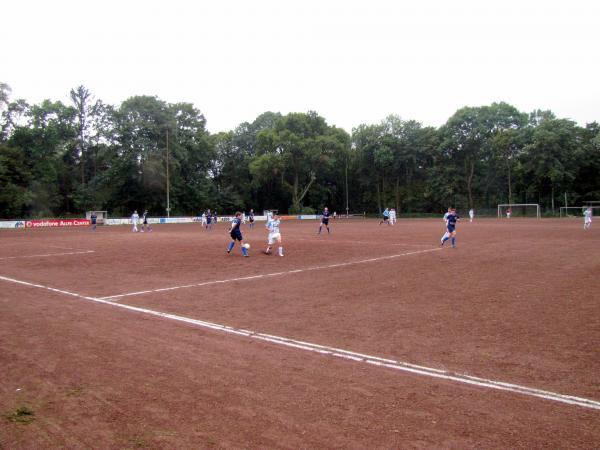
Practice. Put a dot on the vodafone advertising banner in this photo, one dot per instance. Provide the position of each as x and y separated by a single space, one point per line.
57 223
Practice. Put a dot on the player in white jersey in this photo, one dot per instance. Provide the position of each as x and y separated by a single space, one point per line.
135 218
471 214
274 234
392 216
587 218
446 234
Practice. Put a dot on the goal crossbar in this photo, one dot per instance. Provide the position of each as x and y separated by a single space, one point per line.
519 205
564 210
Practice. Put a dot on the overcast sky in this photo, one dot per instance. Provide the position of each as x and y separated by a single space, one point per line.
351 61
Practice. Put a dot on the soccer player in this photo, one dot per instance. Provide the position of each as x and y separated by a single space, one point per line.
446 234
134 221
508 213
274 234
325 220
587 218
251 218
203 222
145 223
386 217
392 216
451 227
208 220
93 219
236 234
471 214
214 218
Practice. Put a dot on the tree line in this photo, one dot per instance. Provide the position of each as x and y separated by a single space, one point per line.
61 159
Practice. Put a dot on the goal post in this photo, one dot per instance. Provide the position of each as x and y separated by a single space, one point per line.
101 216
508 210
577 211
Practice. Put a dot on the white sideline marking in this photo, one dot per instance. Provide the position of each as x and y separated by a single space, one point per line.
45 255
274 274
344 354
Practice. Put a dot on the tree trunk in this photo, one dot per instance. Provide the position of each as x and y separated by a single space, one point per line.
397 195
509 186
378 196
470 183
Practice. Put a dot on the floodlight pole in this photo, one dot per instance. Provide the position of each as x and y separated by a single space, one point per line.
168 200
347 208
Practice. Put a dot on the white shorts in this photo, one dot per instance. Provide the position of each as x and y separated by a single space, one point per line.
274 237
586 220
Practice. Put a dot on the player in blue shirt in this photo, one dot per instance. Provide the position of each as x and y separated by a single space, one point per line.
325 220
208 219
451 227
236 234
386 217
93 219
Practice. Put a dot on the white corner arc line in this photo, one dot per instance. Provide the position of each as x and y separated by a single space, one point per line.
273 274
345 354
45 255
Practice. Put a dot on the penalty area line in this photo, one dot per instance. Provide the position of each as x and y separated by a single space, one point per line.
46 255
273 274
348 355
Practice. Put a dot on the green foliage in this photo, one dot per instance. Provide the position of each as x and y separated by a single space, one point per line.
57 160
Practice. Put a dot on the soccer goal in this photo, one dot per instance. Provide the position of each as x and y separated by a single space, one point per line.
101 216
577 211
509 210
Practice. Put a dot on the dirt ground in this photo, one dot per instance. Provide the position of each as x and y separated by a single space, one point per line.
516 302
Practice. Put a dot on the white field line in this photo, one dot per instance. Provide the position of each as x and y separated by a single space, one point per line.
273 274
349 241
344 354
45 255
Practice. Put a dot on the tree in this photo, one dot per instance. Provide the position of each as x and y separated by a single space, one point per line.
300 145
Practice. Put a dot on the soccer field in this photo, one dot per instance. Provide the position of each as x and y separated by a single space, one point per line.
370 337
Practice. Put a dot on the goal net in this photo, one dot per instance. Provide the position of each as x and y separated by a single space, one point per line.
508 210
577 211
101 216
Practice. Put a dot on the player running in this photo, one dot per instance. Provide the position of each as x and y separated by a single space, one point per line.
386 217
135 218
236 234
274 234
451 227
325 220
587 218
145 223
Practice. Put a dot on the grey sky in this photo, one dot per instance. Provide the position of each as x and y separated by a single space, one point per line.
351 61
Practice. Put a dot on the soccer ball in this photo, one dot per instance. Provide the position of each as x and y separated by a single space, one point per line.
246 246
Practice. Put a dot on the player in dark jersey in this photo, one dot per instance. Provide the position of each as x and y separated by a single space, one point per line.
324 220
145 223
251 218
93 220
236 234
451 227
208 220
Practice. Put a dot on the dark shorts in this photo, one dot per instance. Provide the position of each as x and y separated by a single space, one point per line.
386 218
451 229
145 222
236 235
325 221
251 219
208 220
